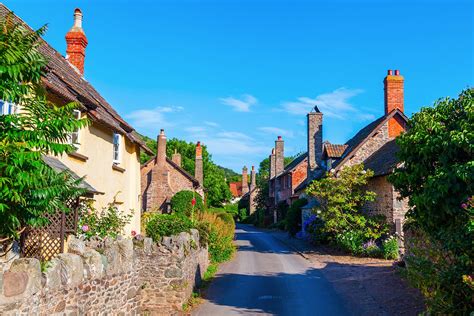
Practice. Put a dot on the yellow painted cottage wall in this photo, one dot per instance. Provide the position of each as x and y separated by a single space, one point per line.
96 143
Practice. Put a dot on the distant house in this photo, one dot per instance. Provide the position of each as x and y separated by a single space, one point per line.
236 189
108 151
162 178
374 146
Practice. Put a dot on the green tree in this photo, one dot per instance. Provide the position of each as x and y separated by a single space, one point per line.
437 176
341 198
28 187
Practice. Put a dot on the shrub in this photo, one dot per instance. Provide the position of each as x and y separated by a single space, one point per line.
437 154
293 217
351 241
390 249
218 234
181 203
243 215
109 222
161 225
314 229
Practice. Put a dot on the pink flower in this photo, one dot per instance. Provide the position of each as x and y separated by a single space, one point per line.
85 228
464 206
134 233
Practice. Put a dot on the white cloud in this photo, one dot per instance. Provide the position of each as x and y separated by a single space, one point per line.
234 135
240 105
212 124
152 117
333 104
195 129
276 131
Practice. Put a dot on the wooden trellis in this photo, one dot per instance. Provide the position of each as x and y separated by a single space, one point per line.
46 242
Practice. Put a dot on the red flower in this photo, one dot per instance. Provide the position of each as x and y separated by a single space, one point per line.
134 233
193 201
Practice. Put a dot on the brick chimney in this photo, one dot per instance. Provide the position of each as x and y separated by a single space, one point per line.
279 156
176 158
393 87
76 43
315 140
198 167
161 149
272 164
245 180
253 183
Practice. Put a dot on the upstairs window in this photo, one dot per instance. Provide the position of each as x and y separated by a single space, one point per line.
116 151
8 108
74 136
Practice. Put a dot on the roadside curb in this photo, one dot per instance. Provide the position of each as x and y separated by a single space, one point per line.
302 254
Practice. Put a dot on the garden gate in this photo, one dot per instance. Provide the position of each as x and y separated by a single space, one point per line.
47 241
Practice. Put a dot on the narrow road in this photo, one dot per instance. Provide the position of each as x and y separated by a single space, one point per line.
267 278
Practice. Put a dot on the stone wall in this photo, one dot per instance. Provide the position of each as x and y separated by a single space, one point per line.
370 146
169 271
114 278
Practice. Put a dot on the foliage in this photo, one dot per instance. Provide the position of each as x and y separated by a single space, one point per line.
215 183
436 175
242 214
109 222
256 219
161 225
341 198
28 187
351 241
218 234
293 216
390 249
181 203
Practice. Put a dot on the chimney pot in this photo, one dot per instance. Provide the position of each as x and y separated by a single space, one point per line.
397 72
390 72
279 137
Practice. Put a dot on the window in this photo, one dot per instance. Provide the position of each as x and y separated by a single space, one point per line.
8 108
74 136
116 143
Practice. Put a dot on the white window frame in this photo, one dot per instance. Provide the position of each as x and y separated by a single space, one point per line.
116 151
8 108
76 134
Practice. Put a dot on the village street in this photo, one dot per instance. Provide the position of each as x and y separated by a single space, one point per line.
266 277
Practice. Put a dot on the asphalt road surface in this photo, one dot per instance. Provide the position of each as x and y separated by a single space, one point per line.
267 278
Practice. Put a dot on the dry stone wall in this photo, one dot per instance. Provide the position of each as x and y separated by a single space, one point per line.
113 277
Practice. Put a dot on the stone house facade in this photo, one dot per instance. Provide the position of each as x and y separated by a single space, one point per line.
108 150
374 146
162 178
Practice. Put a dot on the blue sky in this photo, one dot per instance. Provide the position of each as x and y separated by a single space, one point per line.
236 74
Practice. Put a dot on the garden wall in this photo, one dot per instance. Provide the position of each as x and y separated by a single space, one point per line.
117 277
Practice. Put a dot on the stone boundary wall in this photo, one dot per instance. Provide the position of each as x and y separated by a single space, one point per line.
117 277
169 271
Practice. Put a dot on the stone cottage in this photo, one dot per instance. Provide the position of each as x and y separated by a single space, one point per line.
374 146
162 178
108 150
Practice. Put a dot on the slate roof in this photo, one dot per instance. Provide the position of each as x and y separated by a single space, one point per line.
58 166
359 139
177 167
63 80
293 164
384 160
334 150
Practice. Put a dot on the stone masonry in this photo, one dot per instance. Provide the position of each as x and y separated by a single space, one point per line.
315 141
245 181
117 277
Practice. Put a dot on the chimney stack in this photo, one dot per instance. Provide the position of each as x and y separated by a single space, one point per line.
279 156
272 164
245 181
393 86
176 158
198 167
76 43
253 179
161 149
315 140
